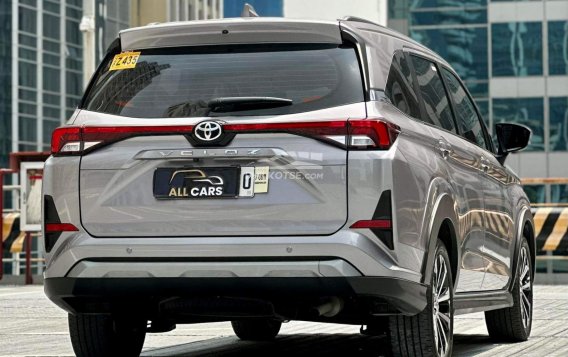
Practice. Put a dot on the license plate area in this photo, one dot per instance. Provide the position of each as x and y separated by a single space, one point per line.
205 182
196 183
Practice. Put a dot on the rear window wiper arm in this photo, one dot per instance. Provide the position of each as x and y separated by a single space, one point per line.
234 104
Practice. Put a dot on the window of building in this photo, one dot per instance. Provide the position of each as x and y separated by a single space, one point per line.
71 32
27 20
27 54
466 115
27 74
559 193
445 3
517 49
51 6
558 123
535 193
74 82
51 26
27 127
483 106
51 99
48 127
51 112
400 87
465 49
558 47
27 108
437 17
51 79
526 111
436 102
26 94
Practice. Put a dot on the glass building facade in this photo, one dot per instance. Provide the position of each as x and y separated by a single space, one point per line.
111 17
513 57
42 83
45 81
233 8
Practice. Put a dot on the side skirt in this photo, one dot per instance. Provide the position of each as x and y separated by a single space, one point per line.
466 303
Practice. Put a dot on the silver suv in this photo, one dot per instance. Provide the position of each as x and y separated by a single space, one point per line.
264 170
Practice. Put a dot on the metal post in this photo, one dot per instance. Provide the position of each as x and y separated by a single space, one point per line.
29 278
88 28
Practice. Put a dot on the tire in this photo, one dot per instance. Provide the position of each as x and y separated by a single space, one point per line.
98 335
514 323
418 335
256 330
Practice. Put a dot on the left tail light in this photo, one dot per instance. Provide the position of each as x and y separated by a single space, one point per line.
74 140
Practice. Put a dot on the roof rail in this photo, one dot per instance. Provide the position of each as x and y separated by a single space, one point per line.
359 19
248 11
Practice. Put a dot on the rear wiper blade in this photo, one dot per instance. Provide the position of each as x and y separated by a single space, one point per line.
234 104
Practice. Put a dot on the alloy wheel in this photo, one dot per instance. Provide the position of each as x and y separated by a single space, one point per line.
525 290
441 306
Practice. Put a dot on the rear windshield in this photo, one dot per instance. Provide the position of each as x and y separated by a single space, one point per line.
181 82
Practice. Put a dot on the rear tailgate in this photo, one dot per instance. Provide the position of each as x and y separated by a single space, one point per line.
167 184
306 191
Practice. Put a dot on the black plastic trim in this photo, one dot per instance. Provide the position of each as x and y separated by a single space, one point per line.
50 216
465 303
103 295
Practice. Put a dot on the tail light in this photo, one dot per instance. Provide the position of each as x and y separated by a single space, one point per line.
80 140
354 134
350 134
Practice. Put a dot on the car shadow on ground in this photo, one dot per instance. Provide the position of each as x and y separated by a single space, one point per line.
304 345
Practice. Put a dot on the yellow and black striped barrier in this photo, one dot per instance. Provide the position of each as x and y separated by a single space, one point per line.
551 230
12 238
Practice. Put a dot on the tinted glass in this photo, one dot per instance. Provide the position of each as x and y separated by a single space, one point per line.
558 47
558 123
436 103
448 17
466 116
466 51
535 193
525 111
559 193
445 3
517 48
400 89
179 82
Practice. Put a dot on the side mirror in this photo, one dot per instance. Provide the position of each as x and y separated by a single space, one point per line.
511 138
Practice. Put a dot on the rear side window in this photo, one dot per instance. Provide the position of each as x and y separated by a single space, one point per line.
400 89
466 116
181 82
438 111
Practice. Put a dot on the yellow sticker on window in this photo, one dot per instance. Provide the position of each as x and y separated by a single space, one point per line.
124 60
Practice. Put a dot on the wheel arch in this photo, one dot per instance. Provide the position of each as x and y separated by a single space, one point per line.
524 228
443 226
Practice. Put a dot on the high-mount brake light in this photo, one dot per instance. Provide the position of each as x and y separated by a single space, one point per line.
353 134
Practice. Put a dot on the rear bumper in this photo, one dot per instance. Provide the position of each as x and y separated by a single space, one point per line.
145 295
365 254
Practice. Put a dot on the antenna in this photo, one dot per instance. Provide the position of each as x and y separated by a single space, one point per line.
248 11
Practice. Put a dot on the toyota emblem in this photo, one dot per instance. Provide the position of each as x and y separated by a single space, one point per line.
208 131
